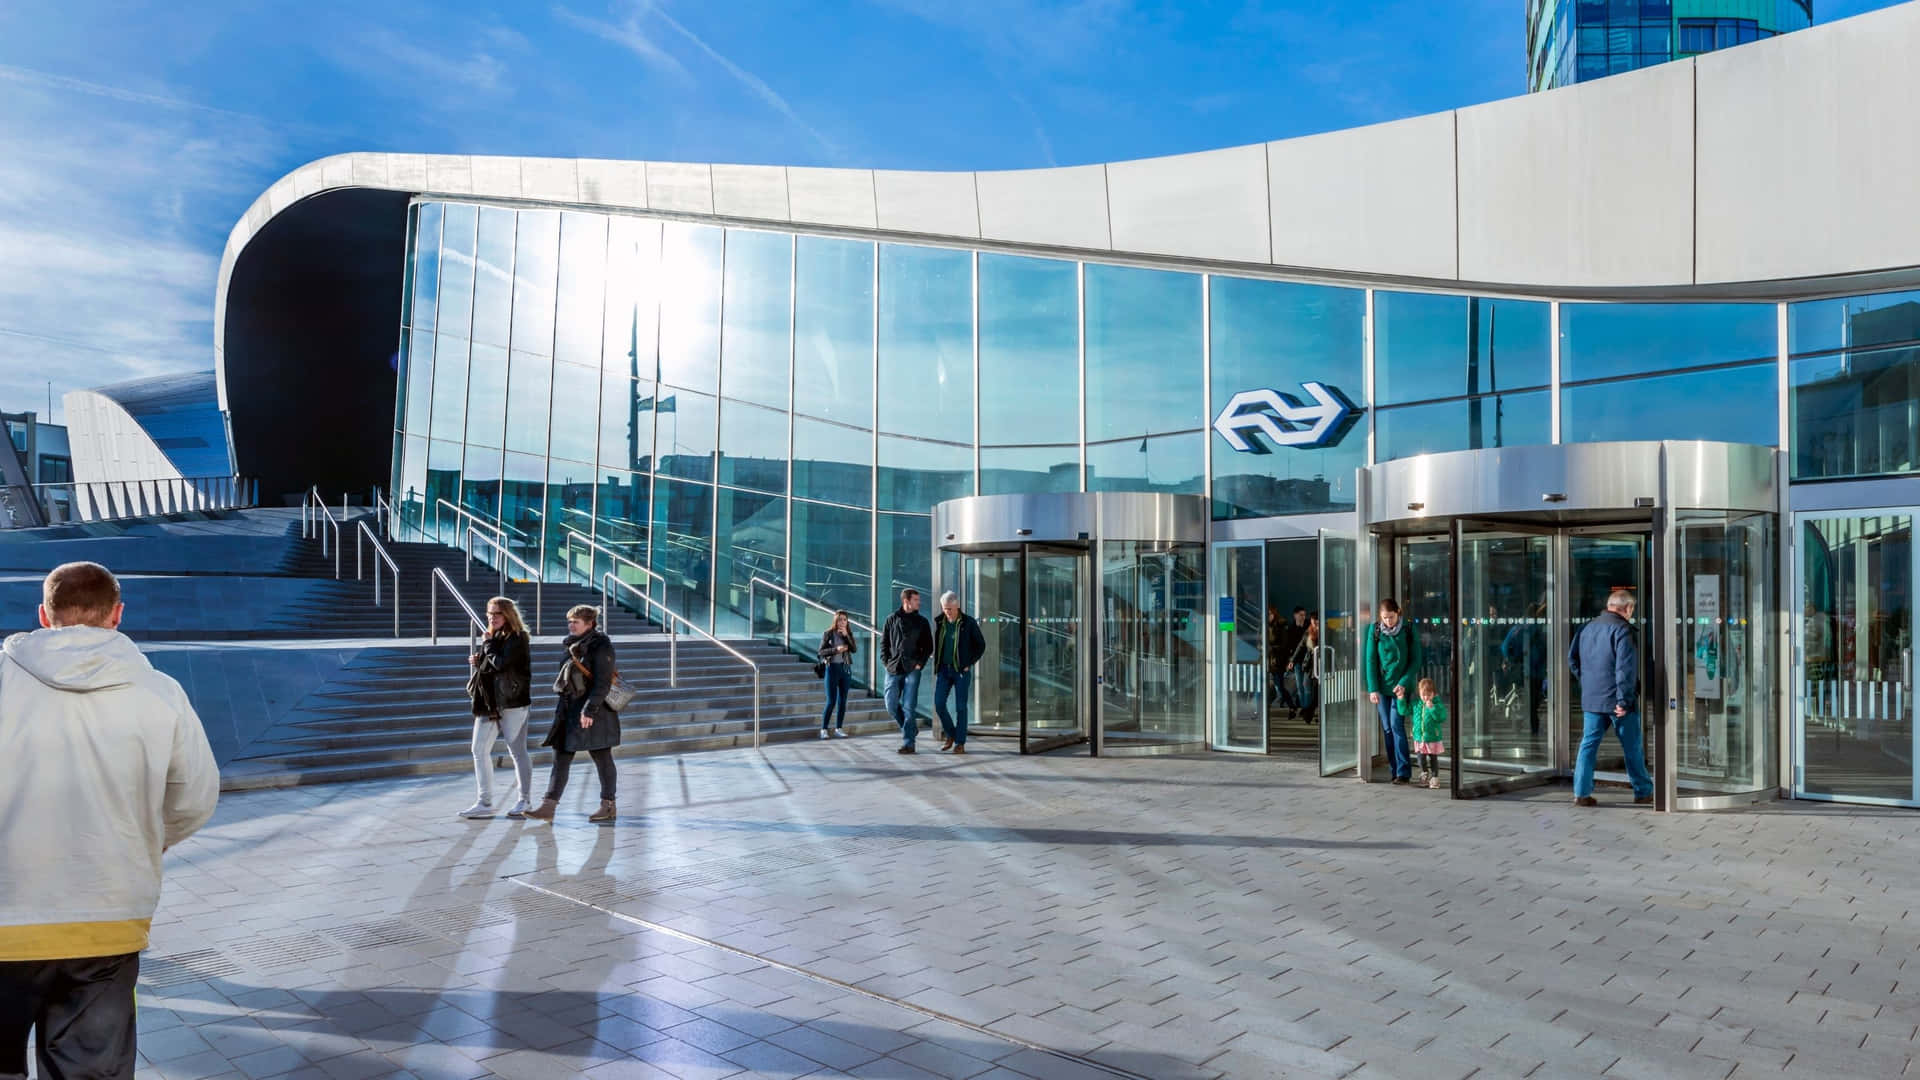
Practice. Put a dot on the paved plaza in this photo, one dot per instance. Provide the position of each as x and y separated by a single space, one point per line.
830 909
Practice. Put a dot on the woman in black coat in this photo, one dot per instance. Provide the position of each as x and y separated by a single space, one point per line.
501 689
581 719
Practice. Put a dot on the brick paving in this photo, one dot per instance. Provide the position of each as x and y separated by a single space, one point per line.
832 909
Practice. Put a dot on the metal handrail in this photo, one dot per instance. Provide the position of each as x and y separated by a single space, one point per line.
462 511
673 641
312 502
433 610
594 545
392 568
533 575
786 621
382 510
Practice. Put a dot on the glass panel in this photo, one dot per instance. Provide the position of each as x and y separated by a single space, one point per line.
493 277
682 553
1856 692
479 489
529 402
1600 341
1856 413
1334 674
1853 322
449 388
1143 331
1277 335
1023 469
1504 585
994 581
1598 565
1240 683
626 428
1494 420
582 290
426 264
1746 408
443 482
903 558
686 424
1169 463
750 539
419 398
833 330
1431 346
759 277
630 334
1426 603
1055 600
410 489
487 396
569 506
1029 354
576 408
536 259
753 447
832 463
456 268
915 474
1725 628
523 515
622 521
689 285
832 549
1152 601
926 343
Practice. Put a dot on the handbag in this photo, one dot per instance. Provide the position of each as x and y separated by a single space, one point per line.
819 669
619 692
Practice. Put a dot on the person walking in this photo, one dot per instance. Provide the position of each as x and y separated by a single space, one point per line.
837 650
1391 660
906 641
1427 727
1605 657
501 687
107 767
1304 666
958 644
581 719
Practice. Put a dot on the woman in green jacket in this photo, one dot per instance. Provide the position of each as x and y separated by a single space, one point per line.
1391 660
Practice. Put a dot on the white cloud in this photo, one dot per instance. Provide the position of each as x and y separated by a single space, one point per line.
446 78
629 36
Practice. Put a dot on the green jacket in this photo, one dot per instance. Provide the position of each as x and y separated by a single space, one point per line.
1427 723
1391 660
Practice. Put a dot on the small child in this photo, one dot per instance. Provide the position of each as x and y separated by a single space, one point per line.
1427 724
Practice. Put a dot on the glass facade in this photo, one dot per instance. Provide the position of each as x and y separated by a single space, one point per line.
1571 41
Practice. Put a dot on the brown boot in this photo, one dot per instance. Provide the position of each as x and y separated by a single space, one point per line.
604 814
543 812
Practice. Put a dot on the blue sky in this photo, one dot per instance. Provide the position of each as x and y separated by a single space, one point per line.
133 135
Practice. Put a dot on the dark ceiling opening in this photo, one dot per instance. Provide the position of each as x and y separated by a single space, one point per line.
312 336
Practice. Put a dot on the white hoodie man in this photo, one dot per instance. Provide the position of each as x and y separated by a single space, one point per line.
108 766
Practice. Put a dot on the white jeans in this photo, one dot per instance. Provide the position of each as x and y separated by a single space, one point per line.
512 727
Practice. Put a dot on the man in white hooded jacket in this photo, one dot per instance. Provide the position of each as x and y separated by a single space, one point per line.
107 767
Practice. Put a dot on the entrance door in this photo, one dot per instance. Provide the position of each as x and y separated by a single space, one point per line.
996 584
1336 663
1598 565
1503 588
1031 604
1240 682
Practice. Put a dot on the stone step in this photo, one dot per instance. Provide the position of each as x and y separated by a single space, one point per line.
456 731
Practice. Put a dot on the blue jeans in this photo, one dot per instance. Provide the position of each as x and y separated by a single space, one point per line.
903 703
1394 723
839 681
1628 728
960 683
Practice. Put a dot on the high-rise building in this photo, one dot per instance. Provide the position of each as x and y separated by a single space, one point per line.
1572 41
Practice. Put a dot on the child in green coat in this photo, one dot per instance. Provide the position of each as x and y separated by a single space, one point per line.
1428 720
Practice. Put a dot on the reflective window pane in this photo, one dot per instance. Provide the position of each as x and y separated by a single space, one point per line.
926 342
903 558
1600 341
682 547
1029 352
626 429
536 260
410 489
523 492
685 426
456 268
493 277
419 395
570 488
529 401
753 447
576 412
833 330
1854 322
449 388
487 396
623 519
832 463
1856 638
1746 408
750 540
753 341
690 306
1430 346
914 474
1856 413
479 487
1143 352
1493 420
630 331
832 548
1276 335
1169 463
426 264
1020 470
443 484
582 287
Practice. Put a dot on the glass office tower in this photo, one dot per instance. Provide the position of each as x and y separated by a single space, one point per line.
1572 41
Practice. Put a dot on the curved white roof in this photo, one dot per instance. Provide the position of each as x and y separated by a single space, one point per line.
1789 162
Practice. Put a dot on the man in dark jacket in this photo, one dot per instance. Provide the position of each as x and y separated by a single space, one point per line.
1605 657
906 641
958 644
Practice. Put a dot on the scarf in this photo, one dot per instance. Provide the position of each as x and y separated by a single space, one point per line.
1397 627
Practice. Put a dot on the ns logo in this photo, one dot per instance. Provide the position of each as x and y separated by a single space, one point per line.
1285 420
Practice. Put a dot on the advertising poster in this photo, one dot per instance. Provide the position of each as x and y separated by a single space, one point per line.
1706 636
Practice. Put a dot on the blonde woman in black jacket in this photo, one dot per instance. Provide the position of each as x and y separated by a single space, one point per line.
501 688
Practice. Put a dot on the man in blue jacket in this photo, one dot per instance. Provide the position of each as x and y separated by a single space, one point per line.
1605 657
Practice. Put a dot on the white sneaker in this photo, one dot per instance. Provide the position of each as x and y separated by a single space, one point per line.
478 810
824 735
519 809
840 733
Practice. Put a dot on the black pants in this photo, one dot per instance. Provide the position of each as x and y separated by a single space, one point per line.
83 1010
563 767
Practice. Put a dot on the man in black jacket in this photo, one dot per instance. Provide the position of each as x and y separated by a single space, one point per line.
905 644
958 644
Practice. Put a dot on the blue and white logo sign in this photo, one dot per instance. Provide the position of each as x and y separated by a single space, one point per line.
1285 420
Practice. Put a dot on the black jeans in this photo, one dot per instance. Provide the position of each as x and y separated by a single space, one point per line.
563 767
83 1010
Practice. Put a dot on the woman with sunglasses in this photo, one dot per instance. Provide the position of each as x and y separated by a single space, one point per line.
501 687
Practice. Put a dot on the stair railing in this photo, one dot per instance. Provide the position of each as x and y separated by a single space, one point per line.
533 575
460 512
671 618
392 567
475 626
314 513
786 622
576 536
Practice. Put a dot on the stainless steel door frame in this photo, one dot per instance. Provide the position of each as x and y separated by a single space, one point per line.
1084 649
1556 549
